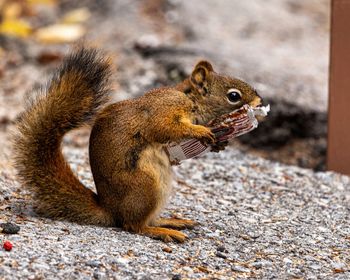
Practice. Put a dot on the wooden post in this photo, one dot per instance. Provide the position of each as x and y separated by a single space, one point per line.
338 158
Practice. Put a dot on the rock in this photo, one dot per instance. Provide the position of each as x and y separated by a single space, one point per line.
239 268
176 277
221 255
9 228
221 249
93 263
167 249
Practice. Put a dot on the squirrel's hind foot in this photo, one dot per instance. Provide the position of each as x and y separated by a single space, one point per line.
159 233
175 223
164 234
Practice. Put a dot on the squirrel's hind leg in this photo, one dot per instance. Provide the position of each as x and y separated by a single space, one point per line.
142 204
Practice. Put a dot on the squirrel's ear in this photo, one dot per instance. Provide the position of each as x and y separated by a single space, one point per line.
199 76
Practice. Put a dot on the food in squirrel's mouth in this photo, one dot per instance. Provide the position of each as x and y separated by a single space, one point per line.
225 128
238 122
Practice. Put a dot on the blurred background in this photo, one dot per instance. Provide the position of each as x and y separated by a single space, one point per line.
279 46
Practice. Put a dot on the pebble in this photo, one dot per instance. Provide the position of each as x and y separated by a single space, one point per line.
93 263
9 228
98 275
338 265
221 249
167 249
239 268
257 265
40 266
287 261
176 277
221 255
315 266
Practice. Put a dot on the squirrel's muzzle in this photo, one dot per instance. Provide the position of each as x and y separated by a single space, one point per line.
257 100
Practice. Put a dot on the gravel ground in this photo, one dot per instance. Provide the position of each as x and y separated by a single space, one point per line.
258 219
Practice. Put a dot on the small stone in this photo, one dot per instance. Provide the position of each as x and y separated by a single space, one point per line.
261 263
239 268
146 277
315 266
93 263
245 237
98 275
176 277
221 249
287 261
130 253
221 255
257 265
339 270
338 267
188 269
121 261
40 266
9 228
167 249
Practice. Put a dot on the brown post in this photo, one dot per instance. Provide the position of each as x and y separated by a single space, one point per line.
338 158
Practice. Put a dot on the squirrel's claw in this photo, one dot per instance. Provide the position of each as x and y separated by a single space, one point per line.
207 137
219 146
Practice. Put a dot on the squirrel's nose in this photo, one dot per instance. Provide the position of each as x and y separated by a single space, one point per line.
257 101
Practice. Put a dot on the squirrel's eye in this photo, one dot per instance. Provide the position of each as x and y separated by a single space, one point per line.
234 96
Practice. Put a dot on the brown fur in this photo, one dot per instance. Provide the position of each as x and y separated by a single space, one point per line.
131 170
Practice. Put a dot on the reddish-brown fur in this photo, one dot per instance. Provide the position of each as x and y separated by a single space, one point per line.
131 170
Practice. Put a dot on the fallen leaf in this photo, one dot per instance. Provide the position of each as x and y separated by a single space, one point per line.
2 2
43 2
46 57
60 33
203 269
17 28
339 270
77 16
12 10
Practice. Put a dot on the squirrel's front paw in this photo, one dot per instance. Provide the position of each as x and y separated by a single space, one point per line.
204 135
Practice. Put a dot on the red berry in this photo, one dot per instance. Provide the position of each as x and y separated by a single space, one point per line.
7 245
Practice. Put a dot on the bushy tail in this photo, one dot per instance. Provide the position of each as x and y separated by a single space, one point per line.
73 97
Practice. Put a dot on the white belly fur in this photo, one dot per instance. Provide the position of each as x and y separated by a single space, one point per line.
155 161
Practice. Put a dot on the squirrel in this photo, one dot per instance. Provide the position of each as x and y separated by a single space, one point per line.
130 167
